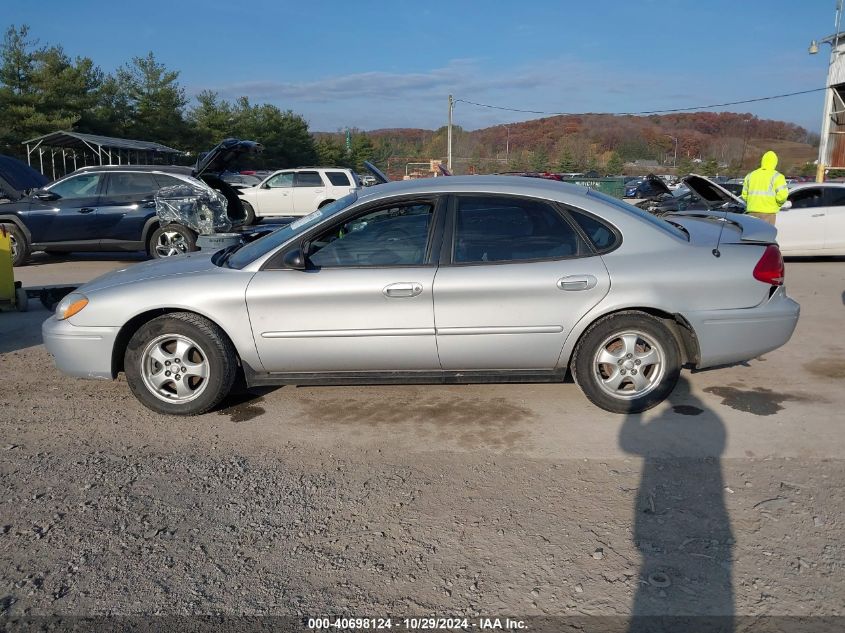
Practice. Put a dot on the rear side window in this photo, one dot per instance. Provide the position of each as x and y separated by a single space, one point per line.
835 196
338 178
509 229
167 181
600 235
128 184
307 179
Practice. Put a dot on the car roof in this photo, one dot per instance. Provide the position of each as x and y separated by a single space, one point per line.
538 187
806 185
171 169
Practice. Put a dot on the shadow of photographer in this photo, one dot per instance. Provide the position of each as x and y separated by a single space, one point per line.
681 525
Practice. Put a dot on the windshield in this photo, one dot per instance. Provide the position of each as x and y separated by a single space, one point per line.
252 251
645 215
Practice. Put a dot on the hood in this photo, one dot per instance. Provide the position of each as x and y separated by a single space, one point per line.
19 176
153 269
709 191
769 160
219 158
657 184
377 173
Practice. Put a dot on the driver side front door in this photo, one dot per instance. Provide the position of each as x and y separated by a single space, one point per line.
363 304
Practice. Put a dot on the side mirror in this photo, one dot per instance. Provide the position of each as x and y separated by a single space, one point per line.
786 205
294 259
44 195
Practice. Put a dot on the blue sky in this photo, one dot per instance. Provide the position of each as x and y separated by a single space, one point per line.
392 64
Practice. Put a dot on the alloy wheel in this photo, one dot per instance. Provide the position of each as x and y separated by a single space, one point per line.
171 243
629 364
174 368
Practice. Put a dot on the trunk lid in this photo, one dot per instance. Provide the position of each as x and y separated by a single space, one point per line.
720 227
710 192
377 173
220 157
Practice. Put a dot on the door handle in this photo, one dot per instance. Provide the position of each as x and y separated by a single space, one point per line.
818 215
87 210
403 289
577 282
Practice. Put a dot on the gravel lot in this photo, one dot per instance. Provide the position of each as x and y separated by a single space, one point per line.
493 500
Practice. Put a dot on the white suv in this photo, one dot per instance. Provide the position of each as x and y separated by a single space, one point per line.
294 192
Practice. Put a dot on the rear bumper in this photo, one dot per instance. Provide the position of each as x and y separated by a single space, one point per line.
732 336
85 352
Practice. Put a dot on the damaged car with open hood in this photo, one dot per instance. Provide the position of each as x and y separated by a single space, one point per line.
114 208
696 193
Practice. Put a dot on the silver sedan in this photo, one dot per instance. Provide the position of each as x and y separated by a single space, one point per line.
461 279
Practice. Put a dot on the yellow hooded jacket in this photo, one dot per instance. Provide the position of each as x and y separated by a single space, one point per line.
764 190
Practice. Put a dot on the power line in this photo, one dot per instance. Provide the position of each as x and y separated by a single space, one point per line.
703 107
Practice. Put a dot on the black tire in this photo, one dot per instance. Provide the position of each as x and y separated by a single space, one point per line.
324 203
596 379
20 245
249 213
210 345
171 240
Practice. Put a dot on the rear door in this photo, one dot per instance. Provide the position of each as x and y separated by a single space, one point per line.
519 277
73 217
309 191
801 228
128 201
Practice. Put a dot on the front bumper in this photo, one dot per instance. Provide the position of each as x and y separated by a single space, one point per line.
85 352
732 336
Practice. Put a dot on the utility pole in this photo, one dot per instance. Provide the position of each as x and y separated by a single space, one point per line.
449 135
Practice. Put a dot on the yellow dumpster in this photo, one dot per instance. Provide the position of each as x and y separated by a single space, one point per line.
12 296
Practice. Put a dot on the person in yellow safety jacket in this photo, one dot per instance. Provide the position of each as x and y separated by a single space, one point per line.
764 190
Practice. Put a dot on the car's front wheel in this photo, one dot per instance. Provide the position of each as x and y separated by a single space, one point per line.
180 364
627 362
170 240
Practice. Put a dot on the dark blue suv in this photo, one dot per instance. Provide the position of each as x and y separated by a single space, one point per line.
112 208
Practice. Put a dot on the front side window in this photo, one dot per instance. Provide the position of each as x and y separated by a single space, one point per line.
391 236
506 229
806 198
281 180
307 179
81 186
130 183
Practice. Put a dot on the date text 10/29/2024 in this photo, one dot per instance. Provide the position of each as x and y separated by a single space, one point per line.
415 624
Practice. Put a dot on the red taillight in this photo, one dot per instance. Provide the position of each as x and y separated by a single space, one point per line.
769 269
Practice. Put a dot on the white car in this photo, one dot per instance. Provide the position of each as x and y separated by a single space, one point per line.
812 222
297 192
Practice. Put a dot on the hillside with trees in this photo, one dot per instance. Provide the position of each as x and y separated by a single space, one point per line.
43 90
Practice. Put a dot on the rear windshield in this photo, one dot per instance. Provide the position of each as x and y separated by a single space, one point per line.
660 223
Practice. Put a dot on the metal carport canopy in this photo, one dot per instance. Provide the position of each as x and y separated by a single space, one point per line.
100 146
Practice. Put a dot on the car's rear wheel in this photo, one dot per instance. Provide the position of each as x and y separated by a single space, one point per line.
627 362
18 243
249 213
180 364
171 240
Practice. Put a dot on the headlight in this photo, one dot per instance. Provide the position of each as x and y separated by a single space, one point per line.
70 305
